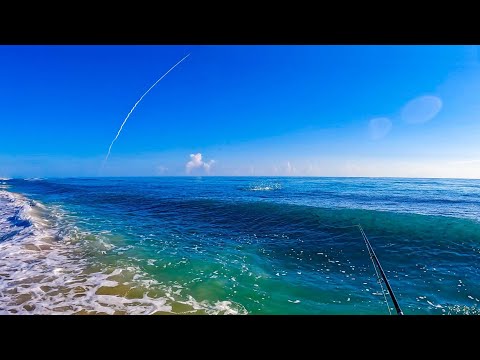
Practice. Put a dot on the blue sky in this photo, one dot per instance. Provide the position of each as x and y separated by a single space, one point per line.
294 110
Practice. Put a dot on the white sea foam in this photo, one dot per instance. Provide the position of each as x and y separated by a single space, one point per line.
48 267
265 187
463 310
220 307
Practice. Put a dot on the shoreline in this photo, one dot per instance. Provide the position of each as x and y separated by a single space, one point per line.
45 273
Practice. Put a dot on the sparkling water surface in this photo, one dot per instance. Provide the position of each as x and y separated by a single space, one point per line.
238 245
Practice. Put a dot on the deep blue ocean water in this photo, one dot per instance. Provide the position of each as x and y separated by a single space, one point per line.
244 245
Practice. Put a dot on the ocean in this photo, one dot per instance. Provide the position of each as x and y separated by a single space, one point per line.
238 245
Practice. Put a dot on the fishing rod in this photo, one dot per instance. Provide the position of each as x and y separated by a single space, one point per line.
377 263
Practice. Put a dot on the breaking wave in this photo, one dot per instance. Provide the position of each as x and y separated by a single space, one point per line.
47 267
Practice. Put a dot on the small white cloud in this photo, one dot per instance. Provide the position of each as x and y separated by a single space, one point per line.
208 165
421 109
309 169
379 127
197 162
290 169
161 169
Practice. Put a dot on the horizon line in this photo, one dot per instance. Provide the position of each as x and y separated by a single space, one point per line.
233 176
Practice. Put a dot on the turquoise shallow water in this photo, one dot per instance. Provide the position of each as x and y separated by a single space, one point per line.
238 245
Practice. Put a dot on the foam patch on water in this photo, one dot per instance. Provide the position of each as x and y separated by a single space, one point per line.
264 187
47 267
463 310
219 307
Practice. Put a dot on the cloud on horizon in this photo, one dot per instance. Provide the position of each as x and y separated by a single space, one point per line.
196 162
290 169
161 170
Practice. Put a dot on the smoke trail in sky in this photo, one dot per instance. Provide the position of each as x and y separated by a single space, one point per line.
134 106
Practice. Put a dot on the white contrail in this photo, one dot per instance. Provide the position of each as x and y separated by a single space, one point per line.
134 106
